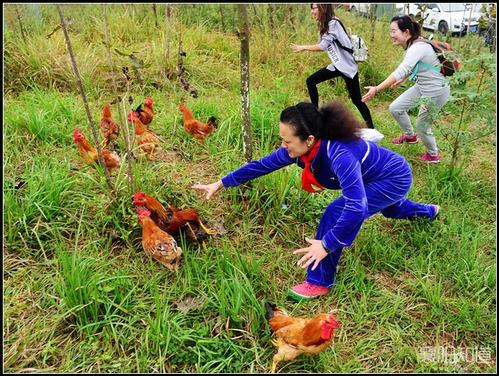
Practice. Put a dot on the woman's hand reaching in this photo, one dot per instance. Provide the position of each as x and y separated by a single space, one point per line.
296 47
313 254
370 93
210 189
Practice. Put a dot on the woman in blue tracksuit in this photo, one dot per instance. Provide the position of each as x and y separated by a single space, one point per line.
325 143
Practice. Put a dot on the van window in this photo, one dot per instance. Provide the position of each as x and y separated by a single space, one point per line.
453 7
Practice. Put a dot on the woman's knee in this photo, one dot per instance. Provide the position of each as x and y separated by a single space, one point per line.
311 82
394 109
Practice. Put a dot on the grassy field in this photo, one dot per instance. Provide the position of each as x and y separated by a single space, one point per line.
80 294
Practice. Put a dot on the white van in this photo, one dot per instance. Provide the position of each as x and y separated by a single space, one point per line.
451 18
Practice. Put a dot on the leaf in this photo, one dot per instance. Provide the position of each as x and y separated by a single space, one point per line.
107 288
188 303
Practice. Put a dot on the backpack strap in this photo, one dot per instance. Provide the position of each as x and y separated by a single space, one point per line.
426 65
336 40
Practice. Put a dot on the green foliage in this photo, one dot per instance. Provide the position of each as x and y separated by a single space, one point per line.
46 115
471 95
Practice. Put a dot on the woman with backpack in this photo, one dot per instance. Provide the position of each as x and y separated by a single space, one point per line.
421 65
334 40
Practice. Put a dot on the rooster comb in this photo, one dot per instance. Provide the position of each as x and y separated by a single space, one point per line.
77 134
138 196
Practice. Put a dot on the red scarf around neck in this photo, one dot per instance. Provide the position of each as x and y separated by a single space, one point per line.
307 177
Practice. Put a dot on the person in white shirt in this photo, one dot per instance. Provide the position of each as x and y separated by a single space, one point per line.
334 40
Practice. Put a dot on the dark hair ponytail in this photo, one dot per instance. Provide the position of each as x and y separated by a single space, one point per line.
407 23
339 122
326 13
333 121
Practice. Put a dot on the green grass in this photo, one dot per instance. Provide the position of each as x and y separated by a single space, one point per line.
80 294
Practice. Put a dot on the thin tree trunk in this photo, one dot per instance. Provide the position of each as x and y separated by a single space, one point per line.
372 13
493 36
291 16
461 32
23 33
272 16
222 16
121 109
180 60
155 16
168 28
245 81
469 22
85 102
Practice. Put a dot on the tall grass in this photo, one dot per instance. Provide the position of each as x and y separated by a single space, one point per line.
80 293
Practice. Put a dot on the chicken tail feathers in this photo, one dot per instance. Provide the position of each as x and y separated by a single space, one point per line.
212 121
139 109
269 310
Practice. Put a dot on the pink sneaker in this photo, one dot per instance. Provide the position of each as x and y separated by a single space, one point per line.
307 291
427 157
405 138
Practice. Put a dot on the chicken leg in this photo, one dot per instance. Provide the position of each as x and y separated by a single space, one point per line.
284 352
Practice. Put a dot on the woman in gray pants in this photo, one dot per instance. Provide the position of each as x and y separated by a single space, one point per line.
431 90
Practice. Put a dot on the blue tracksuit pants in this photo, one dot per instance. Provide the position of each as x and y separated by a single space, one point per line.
385 196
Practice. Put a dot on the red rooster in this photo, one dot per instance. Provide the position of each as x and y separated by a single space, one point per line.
299 335
89 153
109 127
147 140
147 113
196 128
158 243
172 219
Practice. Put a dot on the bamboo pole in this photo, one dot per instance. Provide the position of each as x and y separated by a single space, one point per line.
85 102
245 81
23 34
220 8
122 111
155 15
167 33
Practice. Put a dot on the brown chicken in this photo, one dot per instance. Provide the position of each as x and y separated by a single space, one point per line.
299 335
194 127
146 114
108 126
158 243
172 219
89 153
147 140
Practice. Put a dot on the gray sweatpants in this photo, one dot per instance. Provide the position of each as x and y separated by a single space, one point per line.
427 113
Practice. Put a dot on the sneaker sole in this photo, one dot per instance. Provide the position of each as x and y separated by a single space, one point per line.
432 161
405 142
301 298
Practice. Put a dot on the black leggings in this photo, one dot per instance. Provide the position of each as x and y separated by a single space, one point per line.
353 87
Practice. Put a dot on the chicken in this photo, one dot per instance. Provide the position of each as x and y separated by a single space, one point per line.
89 153
299 335
172 219
158 243
147 140
146 114
194 127
109 127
